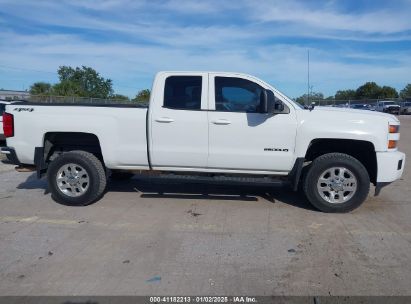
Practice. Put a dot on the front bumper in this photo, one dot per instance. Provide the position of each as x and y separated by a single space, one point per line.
392 110
390 166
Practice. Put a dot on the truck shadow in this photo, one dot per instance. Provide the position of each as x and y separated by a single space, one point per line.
166 188
32 182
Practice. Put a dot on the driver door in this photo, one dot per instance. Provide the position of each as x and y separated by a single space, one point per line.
240 137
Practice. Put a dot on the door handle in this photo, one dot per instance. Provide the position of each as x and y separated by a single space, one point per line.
164 119
221 122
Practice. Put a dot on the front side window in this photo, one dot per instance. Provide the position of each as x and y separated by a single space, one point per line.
183 92
237 95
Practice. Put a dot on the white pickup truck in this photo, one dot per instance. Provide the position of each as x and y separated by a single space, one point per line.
206 125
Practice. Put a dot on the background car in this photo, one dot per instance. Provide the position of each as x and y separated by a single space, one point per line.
372 106
406 107
388 106
358 106
362 106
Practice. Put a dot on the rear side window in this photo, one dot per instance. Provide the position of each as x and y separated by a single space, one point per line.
183 92
2 108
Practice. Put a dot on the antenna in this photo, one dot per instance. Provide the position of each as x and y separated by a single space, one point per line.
308 77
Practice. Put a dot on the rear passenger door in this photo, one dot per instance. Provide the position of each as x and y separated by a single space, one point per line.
179 125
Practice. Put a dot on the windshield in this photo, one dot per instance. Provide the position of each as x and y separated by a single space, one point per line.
277 93
291 100
299 105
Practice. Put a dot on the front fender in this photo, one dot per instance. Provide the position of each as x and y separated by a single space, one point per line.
316 126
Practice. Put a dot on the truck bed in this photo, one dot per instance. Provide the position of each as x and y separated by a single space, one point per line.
120 129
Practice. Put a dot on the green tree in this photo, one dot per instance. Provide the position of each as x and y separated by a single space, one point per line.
345 94
83 82
369 90
68 88
40 88
406 92
142 96
388 92
119 97
313 97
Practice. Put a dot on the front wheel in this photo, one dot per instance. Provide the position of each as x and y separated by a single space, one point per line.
76 178
336 182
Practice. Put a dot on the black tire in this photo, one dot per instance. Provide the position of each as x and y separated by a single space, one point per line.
96 174
8 156
330 160
121 175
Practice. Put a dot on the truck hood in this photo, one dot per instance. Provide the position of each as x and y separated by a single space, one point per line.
343 123
347 113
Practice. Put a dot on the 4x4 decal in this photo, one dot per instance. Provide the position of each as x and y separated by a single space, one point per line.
275 150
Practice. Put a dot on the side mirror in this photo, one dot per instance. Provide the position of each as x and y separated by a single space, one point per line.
278 106
269 103
274 104
264 102
312 106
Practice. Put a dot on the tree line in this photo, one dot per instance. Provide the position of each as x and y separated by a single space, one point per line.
369 90
87 82
83 82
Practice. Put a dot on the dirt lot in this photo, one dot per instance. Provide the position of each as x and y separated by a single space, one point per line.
181 239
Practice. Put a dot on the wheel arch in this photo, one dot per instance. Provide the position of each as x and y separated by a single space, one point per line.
363 151
55 143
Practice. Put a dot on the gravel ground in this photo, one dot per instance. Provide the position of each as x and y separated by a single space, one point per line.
182 239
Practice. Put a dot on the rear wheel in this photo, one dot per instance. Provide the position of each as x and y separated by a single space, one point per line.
8 156
336 182
76 178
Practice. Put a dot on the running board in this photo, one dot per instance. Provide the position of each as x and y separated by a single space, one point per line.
218 179
25 168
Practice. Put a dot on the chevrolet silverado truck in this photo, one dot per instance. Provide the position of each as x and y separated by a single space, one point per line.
208 126
388 106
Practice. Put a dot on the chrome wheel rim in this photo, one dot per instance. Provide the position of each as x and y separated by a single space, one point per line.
72 180
337 185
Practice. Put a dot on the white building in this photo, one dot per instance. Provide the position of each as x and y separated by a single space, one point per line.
13 95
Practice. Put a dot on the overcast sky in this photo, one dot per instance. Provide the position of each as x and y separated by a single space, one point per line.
350 41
